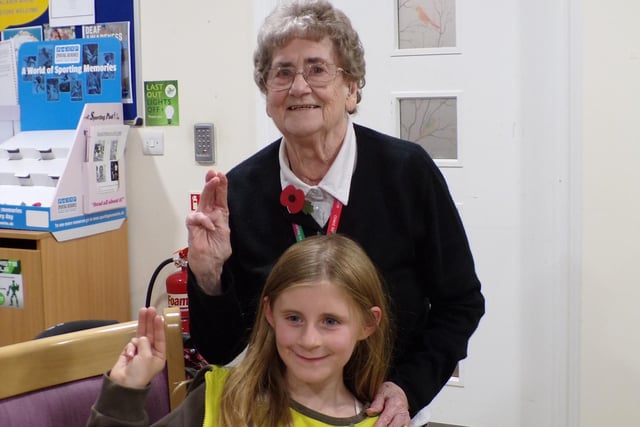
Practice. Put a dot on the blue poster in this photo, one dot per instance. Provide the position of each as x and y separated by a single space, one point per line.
57 78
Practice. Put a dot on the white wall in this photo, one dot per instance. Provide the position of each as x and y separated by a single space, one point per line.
610 368
207 47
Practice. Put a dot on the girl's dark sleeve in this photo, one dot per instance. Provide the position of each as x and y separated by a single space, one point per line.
119 406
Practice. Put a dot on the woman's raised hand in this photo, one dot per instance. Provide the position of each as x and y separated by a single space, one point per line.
209 234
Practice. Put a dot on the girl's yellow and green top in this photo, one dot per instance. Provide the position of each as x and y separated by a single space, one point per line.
302 416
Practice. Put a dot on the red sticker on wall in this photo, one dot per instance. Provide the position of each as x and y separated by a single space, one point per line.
194 201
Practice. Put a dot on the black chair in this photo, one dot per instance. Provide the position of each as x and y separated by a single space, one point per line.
75 325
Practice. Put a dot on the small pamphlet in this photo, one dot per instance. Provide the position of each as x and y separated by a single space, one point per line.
9 109
8 77
11 290
103 169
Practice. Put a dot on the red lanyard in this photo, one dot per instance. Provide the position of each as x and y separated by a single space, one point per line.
332 227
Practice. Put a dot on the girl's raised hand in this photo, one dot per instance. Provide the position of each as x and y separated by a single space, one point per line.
144 356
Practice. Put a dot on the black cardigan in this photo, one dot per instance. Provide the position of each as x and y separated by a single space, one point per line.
401 212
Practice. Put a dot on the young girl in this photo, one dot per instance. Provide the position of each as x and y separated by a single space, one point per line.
318 352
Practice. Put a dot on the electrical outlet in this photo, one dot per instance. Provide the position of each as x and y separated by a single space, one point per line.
153 142
203 142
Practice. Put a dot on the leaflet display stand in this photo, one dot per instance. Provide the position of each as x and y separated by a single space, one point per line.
68 182
64 172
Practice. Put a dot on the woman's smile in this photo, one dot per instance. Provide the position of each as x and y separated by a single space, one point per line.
302 107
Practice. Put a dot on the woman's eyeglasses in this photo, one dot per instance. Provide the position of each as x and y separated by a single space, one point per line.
317 74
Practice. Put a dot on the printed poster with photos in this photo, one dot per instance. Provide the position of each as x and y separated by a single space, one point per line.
104 172
58 77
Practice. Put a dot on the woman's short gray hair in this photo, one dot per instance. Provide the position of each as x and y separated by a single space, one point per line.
312 20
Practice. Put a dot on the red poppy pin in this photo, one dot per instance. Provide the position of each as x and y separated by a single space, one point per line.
293 199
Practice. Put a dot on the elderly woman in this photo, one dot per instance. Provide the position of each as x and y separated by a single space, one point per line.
325 175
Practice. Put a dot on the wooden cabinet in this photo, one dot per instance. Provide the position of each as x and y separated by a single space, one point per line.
85 278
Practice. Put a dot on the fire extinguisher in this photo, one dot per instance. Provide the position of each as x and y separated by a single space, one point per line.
176 286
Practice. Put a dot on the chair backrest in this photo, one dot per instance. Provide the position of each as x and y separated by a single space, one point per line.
59 377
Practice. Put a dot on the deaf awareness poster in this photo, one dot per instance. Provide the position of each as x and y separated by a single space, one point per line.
11 292
120 30
57 78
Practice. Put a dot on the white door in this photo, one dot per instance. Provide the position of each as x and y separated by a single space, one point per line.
499 176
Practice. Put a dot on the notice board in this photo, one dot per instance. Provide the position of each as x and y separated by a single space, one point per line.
29 21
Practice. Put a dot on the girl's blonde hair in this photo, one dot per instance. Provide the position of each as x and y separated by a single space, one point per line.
256 392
